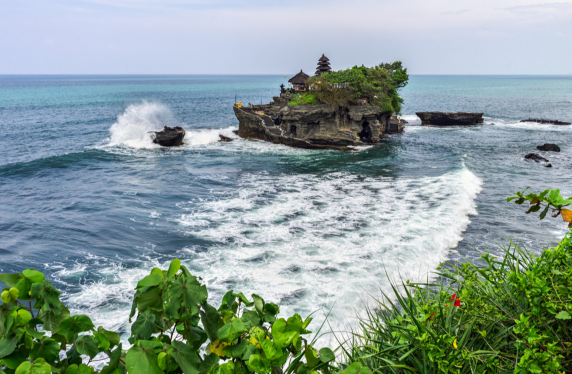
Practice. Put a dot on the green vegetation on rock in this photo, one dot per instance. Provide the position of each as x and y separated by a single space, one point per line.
378 85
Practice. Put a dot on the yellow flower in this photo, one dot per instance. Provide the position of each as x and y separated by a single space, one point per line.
455 344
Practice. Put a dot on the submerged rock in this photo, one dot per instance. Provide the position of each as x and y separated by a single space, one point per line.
547 147
545 121
224 138
169 136
535 157
450 118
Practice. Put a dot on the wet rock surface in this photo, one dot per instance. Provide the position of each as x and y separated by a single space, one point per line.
535 157
169 136
225 138
547 147
450 118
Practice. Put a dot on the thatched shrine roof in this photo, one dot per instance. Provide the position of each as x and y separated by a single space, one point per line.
299 78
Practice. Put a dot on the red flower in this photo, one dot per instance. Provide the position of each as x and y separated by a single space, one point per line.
457 300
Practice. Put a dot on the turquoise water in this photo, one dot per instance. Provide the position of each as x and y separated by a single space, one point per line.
86 197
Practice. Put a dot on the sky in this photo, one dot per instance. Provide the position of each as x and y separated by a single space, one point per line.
282 37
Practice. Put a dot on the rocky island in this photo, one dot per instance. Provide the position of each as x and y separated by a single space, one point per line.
450 118
331 110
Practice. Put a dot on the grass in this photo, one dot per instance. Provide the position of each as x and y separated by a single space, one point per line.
511 315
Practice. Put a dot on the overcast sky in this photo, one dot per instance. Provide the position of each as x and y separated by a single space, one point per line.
267 37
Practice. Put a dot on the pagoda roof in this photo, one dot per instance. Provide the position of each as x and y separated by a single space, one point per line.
324 58
299 78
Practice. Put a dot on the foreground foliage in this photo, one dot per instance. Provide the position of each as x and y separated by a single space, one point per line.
505 315
378 85
174 330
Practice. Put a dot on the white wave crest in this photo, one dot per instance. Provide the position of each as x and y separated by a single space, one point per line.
133 125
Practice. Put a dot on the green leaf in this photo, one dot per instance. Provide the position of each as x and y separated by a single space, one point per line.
47 296
195 336
258 304
190 290
142 328
210 318
24 286
47 349
21 317
149 281
39 366
102 341
10 295
113 337
356 368
256 365
173 268
14 360
116 365
52 319
544 212
8 345
87 345
186 357
33 275
231 330
208 363
10 279
81 369
142 360
150 299
326 355
281 334
563 315
270 350
72 326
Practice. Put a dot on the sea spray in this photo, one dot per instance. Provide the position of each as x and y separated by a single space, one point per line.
133 125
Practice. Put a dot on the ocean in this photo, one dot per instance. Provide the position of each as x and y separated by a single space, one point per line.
86 198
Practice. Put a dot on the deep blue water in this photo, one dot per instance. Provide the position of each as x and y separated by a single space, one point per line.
86 198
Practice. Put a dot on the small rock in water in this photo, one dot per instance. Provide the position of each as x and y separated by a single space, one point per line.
169 136
535 157
548 165
225 138
547 147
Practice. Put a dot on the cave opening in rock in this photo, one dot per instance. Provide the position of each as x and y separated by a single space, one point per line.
293 130
365 134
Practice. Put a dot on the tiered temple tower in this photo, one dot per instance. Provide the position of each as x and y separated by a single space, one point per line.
323 66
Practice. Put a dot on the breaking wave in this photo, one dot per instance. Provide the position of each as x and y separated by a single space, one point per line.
308 241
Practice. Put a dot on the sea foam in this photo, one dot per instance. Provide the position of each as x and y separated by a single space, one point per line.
309 242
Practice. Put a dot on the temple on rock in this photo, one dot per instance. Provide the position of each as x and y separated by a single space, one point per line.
299 81
323 66
316 125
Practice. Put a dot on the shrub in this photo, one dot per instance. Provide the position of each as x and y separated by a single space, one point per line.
175 330
379 85
303 99
511 314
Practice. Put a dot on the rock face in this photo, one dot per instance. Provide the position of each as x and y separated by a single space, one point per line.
535 157
313 126
169 136
450 118
547 147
